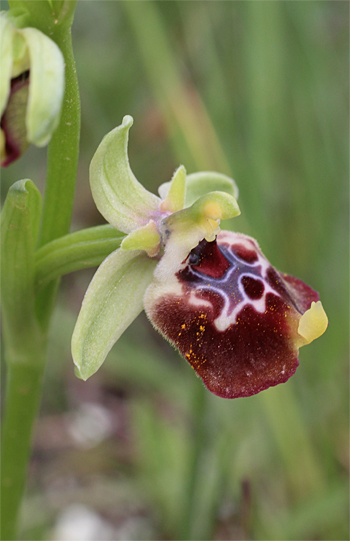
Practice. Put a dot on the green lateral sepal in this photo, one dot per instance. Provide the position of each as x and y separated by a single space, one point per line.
112 302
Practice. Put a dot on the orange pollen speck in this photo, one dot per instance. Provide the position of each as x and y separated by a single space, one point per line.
183 326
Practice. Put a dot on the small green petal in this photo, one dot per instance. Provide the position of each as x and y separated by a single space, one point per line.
145 238
113 300
46 86
176 191
6 40
119 197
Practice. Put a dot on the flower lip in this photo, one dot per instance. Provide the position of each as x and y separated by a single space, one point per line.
237 321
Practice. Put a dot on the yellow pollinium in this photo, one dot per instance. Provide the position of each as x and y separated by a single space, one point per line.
313 323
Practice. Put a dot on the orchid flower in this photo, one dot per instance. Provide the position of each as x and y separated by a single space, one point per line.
31 89
211 293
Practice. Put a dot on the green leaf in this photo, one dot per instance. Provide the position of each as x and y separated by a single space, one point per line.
113 300
120 198
46 87
19 226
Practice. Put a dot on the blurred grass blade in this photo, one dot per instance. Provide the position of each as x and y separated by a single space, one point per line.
303 471
195 140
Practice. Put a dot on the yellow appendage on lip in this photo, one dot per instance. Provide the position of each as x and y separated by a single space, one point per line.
313 323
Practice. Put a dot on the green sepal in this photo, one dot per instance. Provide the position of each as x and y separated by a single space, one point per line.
19 229
119 197
46 88
112 302
6 47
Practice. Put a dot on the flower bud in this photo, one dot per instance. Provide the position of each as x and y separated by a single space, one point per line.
31 89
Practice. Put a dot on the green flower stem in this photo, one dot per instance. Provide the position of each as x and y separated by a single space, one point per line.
76 251
25 374
62 165
23 391
63 153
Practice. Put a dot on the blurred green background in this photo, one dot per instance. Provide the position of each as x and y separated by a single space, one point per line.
259 91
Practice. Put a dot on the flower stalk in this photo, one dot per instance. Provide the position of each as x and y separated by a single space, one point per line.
26 313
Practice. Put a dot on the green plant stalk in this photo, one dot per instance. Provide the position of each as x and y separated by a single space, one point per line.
62 157
23 392
62 165
24 379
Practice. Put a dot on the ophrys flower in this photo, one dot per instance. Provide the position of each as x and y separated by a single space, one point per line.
211 293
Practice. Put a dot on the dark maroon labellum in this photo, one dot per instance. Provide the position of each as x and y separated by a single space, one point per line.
236 321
